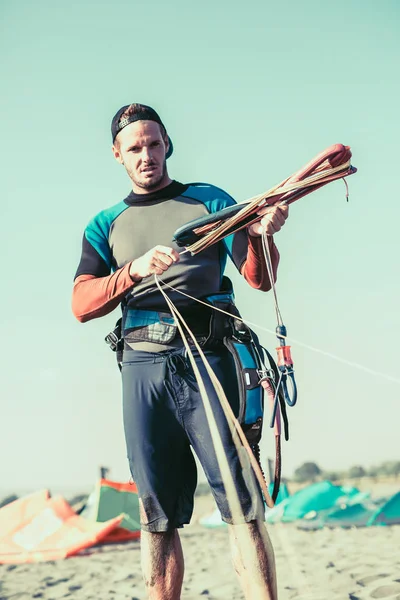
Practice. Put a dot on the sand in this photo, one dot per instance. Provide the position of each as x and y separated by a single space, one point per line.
357 564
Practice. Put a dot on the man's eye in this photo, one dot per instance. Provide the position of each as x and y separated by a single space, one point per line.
155 144
134 149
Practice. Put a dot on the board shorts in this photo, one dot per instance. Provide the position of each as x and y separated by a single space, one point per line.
164 420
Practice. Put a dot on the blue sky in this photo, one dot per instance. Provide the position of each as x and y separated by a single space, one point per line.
249 92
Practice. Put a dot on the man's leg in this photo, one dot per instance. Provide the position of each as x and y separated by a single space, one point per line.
252 550
162 465
162 564
256 571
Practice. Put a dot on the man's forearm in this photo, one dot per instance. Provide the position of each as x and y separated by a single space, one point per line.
254 269
94 297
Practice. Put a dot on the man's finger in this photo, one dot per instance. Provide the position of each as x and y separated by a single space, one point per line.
165 259
279 217
265 210
283 209
168 251
271 225
272 219
162 263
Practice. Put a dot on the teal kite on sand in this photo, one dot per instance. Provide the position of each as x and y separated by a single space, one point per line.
361 514
316 497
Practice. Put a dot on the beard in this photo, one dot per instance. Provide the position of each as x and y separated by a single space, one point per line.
151 183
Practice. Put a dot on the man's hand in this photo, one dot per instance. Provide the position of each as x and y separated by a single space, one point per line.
273 218
154 262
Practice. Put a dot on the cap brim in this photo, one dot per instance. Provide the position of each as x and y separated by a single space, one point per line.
170 148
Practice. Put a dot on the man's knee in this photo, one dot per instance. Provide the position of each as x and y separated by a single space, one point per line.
159 539
241 535
253 533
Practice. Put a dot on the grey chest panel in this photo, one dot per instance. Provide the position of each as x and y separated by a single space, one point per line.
145 225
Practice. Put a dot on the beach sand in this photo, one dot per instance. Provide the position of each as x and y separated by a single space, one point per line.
358 564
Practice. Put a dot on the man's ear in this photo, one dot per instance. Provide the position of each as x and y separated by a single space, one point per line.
117 154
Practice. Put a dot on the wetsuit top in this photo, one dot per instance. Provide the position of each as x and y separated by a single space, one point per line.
127 230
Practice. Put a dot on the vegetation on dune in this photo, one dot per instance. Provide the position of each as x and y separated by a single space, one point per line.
310 471
8 499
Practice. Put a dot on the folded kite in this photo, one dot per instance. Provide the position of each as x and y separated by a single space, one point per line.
331 164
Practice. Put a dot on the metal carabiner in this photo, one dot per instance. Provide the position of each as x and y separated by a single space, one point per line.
290 400
285 366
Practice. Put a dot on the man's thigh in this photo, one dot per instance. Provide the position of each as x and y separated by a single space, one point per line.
160 458
199 434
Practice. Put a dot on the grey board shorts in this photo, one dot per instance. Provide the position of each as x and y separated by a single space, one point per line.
164 419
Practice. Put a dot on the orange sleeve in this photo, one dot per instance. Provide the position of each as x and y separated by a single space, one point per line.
254 269
94 297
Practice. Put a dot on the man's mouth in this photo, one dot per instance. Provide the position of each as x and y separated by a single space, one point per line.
149 169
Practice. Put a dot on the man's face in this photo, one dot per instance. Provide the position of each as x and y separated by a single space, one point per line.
141 148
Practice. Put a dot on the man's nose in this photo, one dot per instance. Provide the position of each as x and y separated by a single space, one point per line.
146 154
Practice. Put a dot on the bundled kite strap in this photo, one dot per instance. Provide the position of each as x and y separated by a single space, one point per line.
331 164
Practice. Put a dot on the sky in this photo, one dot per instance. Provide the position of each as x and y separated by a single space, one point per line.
249 92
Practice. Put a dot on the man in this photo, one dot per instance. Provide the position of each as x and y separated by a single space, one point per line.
164 417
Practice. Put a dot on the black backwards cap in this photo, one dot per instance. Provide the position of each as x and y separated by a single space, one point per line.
145 114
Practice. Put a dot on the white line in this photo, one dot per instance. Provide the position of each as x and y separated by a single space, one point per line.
293 341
